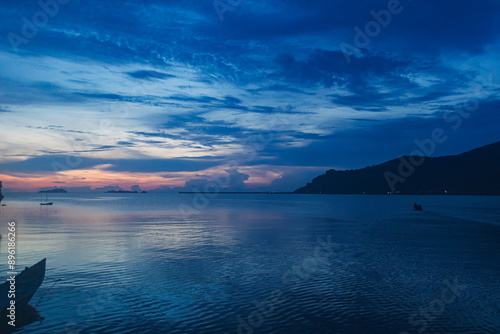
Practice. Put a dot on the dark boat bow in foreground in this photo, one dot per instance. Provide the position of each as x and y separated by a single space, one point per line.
26 284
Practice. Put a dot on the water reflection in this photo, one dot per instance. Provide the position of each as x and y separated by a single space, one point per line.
142 267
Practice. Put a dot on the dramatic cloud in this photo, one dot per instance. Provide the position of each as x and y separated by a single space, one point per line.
169 94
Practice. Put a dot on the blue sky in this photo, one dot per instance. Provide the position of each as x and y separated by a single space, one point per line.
164 93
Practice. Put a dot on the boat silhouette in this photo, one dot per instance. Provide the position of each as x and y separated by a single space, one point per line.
26 283
46 200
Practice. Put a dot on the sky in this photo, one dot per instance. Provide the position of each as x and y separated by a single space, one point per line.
252 95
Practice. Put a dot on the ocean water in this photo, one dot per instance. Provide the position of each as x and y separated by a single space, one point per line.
183 263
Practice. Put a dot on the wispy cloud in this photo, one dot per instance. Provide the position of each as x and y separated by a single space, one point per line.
150 75
166 86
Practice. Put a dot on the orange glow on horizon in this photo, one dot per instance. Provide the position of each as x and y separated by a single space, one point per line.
98 177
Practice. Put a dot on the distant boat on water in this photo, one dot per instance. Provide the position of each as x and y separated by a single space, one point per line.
46 200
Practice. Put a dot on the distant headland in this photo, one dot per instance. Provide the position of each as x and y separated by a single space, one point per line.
121 192
125 192
236 192
472 173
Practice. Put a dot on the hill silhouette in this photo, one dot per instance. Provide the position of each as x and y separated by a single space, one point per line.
475 172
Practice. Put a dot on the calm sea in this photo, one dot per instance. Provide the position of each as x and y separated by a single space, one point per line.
177 263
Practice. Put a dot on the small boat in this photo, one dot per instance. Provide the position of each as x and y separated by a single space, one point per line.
417 207
26 283
46 200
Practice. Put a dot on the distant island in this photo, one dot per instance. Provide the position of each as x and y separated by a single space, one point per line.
235 192
476 172
53 191
121 192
